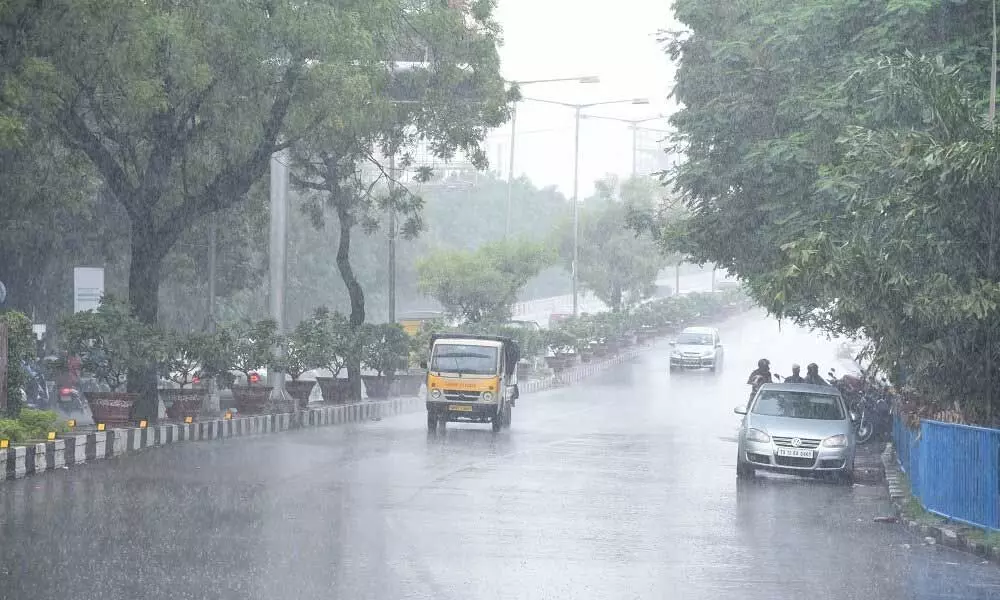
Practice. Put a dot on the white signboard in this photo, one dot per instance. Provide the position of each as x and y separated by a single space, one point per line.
88 287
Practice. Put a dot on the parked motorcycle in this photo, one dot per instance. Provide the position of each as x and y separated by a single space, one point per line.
869 401
34 392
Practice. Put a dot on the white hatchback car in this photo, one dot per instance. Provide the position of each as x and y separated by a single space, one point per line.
697 348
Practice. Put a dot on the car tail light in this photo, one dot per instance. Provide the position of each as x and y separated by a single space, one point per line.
196 380
66 392
254 378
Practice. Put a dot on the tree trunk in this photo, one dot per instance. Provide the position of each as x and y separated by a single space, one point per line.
616 298
356 294
143 297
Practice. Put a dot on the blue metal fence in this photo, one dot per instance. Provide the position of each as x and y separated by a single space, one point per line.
954 470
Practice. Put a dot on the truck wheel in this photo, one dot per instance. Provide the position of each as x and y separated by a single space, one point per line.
510 413
432 422
497 422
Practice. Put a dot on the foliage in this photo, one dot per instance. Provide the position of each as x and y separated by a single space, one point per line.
249 345
615 262
110 342
482 286
31 425
325 340
190 355
385 348
20 348
849 184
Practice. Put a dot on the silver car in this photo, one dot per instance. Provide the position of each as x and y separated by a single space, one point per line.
796 428
697 348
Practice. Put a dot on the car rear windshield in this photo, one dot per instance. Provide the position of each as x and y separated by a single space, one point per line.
465 359
798 405
695 339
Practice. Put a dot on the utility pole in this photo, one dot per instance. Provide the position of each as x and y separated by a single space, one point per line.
212 251
635 144
392 237
510 170
576 210
276 266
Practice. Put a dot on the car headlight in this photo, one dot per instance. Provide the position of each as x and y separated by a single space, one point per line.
436 394
707 353
487 396
756 435
836 441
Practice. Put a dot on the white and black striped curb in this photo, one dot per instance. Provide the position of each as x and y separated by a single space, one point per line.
899 493
69 450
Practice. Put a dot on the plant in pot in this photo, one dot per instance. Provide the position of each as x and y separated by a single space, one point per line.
294 363
564 345
326 341
190 360
110 342
250 348
385 348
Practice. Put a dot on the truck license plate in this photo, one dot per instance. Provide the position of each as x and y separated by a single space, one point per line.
460 407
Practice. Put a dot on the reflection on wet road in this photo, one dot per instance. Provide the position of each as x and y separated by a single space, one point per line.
621 488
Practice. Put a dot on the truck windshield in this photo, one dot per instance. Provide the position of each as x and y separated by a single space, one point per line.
468 360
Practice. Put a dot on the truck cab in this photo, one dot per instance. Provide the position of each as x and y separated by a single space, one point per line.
471 379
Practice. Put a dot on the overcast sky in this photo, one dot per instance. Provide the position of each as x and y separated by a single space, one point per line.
565 38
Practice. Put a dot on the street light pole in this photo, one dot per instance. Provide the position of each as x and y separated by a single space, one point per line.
513 134
510 170
279 231
578 108
576 209
392 237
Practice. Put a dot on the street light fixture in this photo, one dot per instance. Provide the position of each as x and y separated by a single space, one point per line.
513 126
576 178
634 126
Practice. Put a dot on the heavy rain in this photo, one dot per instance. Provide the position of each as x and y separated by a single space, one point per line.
488 299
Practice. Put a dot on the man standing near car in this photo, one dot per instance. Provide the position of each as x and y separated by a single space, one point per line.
813 376
795 377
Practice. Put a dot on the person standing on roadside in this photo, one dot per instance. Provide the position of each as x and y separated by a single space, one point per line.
795 377
813 376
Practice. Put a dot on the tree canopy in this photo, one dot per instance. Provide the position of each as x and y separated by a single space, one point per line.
837 161
482 285
615 262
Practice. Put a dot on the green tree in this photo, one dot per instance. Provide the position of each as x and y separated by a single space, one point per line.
445 106
616 263
482 286
179 108
20 347
842 180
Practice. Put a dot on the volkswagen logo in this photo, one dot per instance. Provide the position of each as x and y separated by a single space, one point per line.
796 442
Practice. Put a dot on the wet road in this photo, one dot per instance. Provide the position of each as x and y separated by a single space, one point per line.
621 488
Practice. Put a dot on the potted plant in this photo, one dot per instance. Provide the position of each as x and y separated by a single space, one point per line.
564 345
385 349
110 342
329 342
250 348
190 360
294 364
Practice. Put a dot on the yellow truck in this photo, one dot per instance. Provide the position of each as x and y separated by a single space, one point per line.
471 379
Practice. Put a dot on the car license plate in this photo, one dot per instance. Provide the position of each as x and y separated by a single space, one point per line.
794 452
460 407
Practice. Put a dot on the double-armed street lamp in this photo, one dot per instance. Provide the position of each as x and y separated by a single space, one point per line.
578 109
513 133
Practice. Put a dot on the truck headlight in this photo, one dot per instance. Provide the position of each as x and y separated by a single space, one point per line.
836 441
435 394
487 396
756 435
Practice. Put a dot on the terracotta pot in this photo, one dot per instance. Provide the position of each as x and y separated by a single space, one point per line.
111 408
335 389
251 399
378 387
183 402
300 390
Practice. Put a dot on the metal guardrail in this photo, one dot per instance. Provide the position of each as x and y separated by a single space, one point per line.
954 470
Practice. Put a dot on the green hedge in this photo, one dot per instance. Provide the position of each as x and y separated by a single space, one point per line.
31 425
